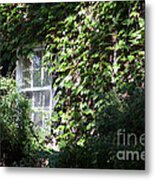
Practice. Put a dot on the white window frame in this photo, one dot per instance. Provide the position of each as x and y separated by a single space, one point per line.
32 89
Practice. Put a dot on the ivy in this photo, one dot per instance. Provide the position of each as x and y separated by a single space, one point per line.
97 57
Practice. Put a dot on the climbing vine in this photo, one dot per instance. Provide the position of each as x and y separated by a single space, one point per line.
96 55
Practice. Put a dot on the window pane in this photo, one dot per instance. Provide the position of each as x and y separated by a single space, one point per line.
38 99
46 98
36 61
42 99
26 79
28 94
46 78
37 116
37 78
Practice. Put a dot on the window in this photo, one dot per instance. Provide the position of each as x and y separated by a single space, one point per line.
33 80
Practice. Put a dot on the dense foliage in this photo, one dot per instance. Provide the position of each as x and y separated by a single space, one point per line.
99 75
17 135
25 25
96 52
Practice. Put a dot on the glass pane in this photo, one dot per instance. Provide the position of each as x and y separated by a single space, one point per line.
40 117
46 98
38 99
42 99
26 79
46 78
37 116
46 116
28 94
37 78
36 61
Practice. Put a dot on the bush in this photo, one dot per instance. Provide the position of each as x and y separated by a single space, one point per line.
17 135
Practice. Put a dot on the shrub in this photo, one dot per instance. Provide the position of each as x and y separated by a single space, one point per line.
17 135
